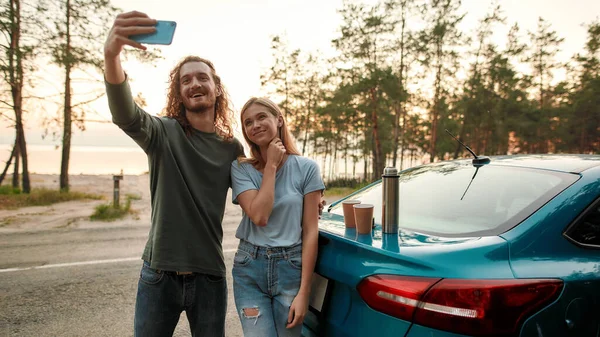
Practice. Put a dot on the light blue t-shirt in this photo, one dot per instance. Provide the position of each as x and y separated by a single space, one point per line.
297 177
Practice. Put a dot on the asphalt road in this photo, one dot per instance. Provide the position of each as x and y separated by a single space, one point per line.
83 281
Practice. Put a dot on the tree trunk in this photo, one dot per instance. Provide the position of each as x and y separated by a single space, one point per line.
335 159
346 157
461 137
19 116
324 162
66 141
403 130
307 124
23 152
16 87
397 122
365 168
539 139
285 108
8 162
396 135
374 156
402 133
436 103
378 160
354 152
15 178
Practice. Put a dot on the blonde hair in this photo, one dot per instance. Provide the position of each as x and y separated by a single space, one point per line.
287 139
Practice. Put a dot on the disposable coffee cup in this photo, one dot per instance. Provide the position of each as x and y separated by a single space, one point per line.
363 217
349 212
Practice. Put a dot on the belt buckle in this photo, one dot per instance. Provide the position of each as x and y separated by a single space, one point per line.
184 272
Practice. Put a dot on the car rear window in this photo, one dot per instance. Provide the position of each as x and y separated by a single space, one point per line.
586 229
459 200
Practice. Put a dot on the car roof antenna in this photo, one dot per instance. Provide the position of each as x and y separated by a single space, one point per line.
472 178
478 160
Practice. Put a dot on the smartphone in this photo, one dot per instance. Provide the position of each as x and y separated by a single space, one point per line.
163 34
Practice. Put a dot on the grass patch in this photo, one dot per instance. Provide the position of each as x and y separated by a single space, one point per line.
11 198
339 191
7 221
107 212
342 191
131 196
9 190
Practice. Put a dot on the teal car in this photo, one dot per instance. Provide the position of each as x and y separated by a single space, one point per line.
510 247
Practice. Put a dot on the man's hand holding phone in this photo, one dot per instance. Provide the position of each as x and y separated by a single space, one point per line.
132 29
126 25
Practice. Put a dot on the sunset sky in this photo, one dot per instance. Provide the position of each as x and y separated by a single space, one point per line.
236 35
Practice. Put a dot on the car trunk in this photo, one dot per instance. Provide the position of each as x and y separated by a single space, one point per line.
346 258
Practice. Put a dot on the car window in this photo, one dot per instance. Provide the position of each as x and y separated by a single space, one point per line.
586 230
454 199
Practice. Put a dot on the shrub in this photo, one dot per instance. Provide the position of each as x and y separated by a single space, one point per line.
7 190
108 212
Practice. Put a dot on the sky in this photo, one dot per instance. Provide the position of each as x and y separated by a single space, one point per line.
236 34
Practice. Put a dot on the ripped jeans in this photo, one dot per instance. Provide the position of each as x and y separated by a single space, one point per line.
265 282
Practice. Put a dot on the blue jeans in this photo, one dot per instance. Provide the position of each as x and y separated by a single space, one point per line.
265 282
162 296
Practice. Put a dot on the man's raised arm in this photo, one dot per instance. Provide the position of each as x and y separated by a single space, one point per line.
125 25
136 123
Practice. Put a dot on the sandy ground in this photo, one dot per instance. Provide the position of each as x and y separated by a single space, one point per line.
77 213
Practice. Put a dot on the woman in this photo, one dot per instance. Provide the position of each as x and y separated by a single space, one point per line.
279 192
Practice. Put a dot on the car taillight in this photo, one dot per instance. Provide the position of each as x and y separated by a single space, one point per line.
471 307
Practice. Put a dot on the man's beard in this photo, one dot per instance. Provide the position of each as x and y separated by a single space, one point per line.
200 107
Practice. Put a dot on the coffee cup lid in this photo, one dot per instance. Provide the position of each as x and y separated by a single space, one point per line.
351 202
363 206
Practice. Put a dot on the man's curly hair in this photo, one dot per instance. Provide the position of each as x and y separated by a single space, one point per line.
175 109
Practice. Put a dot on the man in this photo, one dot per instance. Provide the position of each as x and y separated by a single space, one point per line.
189 155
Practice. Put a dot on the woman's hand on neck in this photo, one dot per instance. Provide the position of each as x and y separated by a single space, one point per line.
274 151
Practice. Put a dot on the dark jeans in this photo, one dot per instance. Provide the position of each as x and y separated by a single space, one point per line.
162 296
